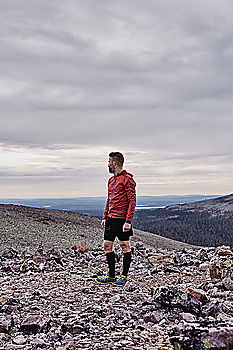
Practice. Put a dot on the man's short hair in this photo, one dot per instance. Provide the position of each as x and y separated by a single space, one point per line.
118 157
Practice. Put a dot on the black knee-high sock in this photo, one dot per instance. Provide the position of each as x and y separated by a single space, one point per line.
127 257
111 263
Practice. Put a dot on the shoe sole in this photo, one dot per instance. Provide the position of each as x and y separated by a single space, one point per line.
104 282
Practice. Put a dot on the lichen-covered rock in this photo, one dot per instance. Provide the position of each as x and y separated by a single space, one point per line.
218 338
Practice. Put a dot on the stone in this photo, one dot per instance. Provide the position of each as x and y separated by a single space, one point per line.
220 338
33 324
222 251
10 253
198 294
188 317
203 267
20 340
6 323
39 341
217 271
73 328
156 316
115 298
227 283
171 269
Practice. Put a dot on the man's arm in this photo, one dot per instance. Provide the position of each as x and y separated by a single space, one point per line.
131 195
105 213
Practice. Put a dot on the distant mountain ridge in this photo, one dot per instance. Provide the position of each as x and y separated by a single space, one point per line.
220 206
95 205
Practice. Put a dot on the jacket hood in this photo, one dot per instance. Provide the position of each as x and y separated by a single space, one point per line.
124 172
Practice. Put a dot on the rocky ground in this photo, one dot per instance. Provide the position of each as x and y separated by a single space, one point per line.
177 297
173 300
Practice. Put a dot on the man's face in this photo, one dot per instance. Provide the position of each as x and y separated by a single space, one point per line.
111 165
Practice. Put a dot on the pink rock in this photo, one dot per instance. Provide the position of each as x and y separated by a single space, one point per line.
33 324
203 267
6 322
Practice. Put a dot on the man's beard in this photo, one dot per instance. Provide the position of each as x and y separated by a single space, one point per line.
111 170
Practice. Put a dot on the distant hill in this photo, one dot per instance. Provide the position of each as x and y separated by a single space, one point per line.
220 206
205 223
23 226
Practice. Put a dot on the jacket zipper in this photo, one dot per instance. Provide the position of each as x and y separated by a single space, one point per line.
113 189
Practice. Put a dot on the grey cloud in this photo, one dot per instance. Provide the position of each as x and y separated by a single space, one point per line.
160 130
101 77
36 175
131 75
30 183
65 172
205 156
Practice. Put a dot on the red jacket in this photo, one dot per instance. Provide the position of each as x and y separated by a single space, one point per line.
121 200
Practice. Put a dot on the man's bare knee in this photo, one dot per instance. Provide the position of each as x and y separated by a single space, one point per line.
125 246
108 246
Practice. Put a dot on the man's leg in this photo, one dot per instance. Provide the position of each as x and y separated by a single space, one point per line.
110 255
127 256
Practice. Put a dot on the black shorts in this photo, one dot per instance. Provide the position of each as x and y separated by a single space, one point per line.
114 228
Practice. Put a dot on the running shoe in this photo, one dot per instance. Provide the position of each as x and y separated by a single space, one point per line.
106 280
121 281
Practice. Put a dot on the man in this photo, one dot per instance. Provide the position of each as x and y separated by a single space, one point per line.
117 217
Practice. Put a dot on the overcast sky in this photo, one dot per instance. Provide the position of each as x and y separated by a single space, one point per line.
152 79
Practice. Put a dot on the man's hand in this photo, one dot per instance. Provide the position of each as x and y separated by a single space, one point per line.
126 227
103 223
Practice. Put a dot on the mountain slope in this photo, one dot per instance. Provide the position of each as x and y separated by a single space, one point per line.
22 226
217 206
203 223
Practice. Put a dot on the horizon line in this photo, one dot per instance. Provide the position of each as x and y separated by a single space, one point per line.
164 195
